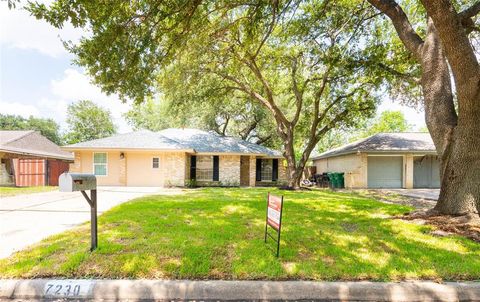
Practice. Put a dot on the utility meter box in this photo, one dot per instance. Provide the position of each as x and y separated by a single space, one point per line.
72 182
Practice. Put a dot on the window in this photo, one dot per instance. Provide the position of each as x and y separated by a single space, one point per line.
266 171
100 164
155 163
204 169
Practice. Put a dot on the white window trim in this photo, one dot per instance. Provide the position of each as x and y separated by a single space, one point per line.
151 163
106 164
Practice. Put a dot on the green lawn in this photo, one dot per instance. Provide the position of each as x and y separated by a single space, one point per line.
12 191
218 234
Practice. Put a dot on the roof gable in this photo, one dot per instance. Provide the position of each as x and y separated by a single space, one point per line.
386 142
31 143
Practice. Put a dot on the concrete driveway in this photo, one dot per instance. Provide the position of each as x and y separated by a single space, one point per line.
431 194
27 219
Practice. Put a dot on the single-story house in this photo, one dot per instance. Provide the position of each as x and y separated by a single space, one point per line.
30 159
385 160
177 157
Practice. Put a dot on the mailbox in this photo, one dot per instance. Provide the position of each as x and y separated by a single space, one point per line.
72 182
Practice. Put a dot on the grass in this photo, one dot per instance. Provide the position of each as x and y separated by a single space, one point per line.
12 191
218 234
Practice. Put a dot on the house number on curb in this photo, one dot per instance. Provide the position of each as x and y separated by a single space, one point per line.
67 288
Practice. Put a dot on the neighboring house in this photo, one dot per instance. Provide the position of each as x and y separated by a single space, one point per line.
175 157
30 159
385 160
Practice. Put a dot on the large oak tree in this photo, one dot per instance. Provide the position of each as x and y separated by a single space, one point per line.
452 112
301 60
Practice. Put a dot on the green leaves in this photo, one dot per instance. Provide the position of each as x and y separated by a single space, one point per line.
47 127
87 121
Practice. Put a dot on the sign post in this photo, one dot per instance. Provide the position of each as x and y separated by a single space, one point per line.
274 218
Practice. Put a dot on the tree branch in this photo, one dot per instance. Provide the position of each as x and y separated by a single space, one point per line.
458 48
471 11
467 15
297 92
407 34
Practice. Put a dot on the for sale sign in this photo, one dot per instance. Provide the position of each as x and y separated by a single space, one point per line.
274 211
274 218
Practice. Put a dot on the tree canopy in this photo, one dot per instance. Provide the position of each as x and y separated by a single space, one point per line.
87 121
243 119
303 62
388 121
47 127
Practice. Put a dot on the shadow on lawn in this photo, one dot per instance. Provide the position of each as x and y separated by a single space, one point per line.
218 234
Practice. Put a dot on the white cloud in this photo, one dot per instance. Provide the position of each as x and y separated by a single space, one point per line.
20 30
19 109
73 86
76 86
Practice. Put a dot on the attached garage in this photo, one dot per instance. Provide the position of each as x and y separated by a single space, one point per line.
385 160
385 171
426 172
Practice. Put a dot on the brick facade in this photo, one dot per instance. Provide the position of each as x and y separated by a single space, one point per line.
174 171
230 170
135 169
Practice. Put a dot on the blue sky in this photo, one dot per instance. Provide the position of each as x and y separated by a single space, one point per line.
38 78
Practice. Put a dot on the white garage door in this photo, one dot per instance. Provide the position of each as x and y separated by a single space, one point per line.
385 171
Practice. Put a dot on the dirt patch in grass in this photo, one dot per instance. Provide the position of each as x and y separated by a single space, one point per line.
445 225
466 225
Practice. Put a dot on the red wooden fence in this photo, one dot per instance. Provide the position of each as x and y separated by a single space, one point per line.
37 172
29 172
55 168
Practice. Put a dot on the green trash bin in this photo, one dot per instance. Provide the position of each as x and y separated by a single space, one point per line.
341 180
333 180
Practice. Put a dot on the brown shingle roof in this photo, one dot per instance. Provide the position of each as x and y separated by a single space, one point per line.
31 143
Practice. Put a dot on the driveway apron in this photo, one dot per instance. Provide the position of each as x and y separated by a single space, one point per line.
27 219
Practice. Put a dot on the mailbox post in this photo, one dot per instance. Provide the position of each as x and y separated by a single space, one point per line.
72 182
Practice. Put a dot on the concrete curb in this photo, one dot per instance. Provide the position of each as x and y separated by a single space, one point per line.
165 290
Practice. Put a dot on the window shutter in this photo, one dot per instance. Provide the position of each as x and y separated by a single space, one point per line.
258 170
193 167
216 168
275 169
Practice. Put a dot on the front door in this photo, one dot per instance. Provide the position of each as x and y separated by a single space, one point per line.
245 170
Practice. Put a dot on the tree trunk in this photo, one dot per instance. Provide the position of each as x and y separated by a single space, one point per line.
456 137
460 190
458 145
293 175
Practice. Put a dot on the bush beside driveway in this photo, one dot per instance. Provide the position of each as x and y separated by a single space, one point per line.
218 234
